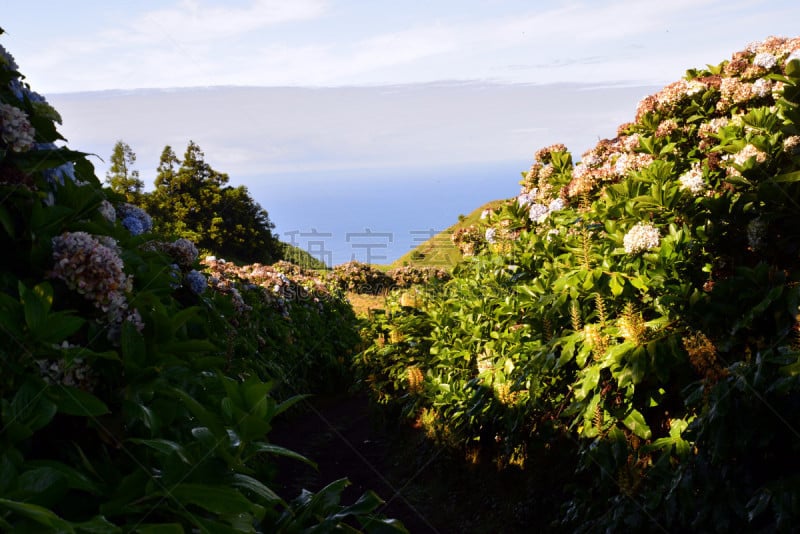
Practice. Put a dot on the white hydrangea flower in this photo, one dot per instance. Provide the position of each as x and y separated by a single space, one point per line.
692 181
556 205
15 129
524 199
762 87
695 87
640 238
749 151
538 213
765 60
791 145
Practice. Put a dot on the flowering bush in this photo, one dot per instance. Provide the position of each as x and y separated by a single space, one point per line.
134 219
132 396
411 275
360 278
640 238
638 341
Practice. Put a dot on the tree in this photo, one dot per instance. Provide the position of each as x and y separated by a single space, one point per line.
243 229
122 177
193 200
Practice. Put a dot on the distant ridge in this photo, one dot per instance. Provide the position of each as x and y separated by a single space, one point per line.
440 251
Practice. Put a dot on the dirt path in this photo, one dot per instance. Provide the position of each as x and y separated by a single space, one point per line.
424 487
340 436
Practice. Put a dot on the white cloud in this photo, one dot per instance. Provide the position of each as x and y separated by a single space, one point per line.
331 42
194 21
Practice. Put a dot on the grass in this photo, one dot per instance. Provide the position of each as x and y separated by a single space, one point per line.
363 304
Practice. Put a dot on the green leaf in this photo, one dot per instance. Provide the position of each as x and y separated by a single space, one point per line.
636 424
75 479
36 304
257 487
615 285
8 472
367 503
788 177
205 417
591 376
164 446
37 513
42 485
73 401
134 352
98 525
281 451
793 68
164 528
6 222
288 403
59 326
215 499
29 411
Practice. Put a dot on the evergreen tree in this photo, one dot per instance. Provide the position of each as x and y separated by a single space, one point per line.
122 177
193 200
243 229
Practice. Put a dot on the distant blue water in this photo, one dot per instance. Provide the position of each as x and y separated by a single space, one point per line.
376 216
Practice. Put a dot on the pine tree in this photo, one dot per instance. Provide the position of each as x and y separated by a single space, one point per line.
193 200
122 177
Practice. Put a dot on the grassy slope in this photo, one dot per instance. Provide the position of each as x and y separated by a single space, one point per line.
439 251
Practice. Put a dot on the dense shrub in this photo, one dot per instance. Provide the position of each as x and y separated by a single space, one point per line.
644 304
128 400
293 327
360 278
411 275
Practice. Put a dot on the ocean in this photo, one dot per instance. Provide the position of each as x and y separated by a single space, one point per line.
376 216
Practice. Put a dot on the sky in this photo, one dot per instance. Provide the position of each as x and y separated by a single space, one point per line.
95 44
346 115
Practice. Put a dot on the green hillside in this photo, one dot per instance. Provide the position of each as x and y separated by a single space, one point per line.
440 251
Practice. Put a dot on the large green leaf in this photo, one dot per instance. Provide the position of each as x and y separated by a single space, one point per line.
256 486
163 528
636 423
75 479
281 451
97 525
44 486
164 446
73 401
215 499
39 514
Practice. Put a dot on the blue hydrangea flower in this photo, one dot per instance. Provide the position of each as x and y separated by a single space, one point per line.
196 282
134 219
17 88
56 175
175 275
133 225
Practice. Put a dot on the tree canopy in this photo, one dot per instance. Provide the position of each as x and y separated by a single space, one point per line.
122 178
193 200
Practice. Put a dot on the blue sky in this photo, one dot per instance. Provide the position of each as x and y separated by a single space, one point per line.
93 45
394 117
